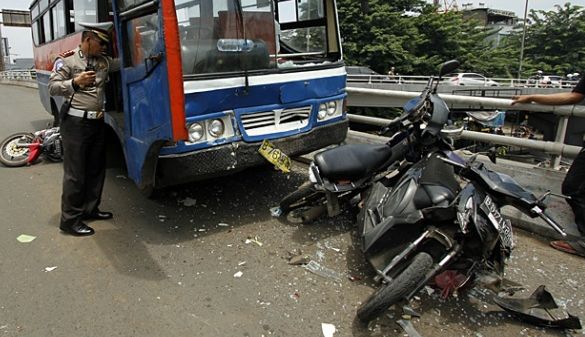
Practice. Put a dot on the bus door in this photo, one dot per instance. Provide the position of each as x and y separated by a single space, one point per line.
152 83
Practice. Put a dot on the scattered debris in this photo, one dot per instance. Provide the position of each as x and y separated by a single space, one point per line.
317 269
222 224
276 211
48 269
238 274
328 329
408 310
253 239
539 309
408 328
299 259
188 202
26 238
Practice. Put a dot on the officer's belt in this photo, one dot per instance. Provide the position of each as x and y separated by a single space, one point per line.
86 114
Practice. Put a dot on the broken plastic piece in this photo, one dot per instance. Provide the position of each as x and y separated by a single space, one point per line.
316 268
408 328
539 309
26 238
328 329
276 211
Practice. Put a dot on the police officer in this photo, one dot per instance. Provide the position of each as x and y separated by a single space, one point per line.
80 75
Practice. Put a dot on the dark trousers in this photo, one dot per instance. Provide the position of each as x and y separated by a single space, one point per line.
574 186
84 166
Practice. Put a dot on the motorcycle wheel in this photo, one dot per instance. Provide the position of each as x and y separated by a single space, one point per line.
392 292
11 154
303 196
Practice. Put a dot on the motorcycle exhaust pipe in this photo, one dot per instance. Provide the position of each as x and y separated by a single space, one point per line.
313 213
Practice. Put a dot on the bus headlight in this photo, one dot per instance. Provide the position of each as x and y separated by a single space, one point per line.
322 111
331 108
196 132
216 128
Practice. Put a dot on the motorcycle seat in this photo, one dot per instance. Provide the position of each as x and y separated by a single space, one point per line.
352 162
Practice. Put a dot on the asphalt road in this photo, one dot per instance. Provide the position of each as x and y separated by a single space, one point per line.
169 266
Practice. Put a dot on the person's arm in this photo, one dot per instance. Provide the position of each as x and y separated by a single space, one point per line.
60 82
561 98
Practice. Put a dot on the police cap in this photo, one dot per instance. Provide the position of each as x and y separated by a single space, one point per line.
100 29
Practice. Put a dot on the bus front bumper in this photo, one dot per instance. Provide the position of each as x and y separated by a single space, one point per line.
231 158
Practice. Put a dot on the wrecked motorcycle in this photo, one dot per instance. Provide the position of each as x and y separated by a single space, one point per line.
427 228
25 148
339 174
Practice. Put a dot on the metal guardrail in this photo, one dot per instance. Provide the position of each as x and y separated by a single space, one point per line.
415 79
556 148
19 75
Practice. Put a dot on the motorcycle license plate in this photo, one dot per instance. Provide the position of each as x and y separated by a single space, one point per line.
275 156
503 226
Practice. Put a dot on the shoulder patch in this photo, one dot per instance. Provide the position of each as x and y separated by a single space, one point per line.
58 64
67 53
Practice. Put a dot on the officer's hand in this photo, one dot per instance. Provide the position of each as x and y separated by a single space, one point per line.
85 78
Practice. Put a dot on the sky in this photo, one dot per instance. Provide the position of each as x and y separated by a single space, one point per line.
20 40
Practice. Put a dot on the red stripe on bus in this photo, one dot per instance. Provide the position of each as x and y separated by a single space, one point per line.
174 70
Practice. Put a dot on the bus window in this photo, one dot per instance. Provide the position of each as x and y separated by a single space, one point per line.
85 11
142 38
219 36
59 24
297 39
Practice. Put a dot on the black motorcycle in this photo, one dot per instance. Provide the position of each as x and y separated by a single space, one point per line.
428 225
24 148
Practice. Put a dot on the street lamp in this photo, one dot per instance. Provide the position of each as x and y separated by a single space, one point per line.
523 40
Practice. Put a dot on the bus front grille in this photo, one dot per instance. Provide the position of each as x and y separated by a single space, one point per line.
275 121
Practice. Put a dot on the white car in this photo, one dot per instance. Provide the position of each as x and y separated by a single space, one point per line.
470 79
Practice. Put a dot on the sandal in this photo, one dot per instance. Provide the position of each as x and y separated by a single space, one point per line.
569 247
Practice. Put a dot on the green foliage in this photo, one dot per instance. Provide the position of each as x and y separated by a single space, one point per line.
554 41
384 37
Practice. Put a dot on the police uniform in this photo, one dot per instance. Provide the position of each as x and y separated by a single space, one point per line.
83 133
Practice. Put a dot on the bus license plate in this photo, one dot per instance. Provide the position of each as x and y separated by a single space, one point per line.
275 156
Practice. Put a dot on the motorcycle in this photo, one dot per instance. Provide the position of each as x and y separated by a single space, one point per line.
441 222
25 148
339 174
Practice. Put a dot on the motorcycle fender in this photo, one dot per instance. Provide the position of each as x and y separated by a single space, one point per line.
35 152
396 228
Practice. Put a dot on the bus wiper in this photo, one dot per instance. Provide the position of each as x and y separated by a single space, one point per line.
241 21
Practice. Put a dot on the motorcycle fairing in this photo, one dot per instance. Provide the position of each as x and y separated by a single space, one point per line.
506 190
539 309
35 151
438 118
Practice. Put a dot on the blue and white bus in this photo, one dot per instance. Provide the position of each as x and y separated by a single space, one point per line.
205 82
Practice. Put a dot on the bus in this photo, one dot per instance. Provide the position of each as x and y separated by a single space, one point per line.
205 84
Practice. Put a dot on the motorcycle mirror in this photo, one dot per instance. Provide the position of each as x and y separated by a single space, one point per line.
492 154
449 67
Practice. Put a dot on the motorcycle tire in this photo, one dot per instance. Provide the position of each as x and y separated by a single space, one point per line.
11 154
303 196
394 291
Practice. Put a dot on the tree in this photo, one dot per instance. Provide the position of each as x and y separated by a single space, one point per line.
563 32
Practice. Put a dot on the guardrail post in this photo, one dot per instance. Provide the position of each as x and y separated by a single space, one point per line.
560 138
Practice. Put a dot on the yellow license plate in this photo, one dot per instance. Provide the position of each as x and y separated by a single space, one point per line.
275 156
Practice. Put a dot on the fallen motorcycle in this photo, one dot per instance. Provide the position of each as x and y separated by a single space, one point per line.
25 148
427 228
339 174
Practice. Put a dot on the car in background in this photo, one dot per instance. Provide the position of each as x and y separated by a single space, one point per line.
544 81
469 79
363 74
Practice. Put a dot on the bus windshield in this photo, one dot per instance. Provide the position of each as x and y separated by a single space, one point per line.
245 35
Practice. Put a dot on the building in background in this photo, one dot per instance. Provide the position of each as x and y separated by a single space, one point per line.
491 18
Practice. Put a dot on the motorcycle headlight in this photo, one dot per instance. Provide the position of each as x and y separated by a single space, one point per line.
196 132
216 128
322 111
